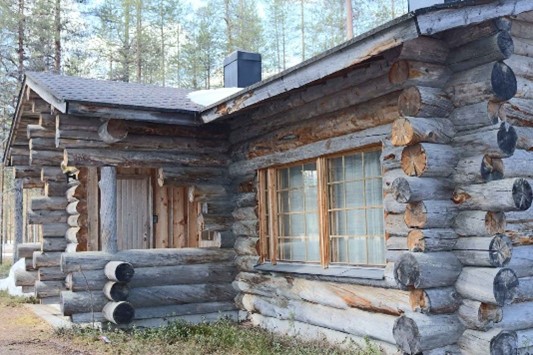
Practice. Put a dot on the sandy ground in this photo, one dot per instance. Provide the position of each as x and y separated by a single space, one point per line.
22 332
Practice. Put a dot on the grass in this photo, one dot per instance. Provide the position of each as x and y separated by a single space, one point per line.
223 337
14 301
4 269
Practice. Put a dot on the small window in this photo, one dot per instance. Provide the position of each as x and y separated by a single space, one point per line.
328 211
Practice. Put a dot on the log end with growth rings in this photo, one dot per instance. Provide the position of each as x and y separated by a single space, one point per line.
407 336
503 81
406 271
491 168
500 250
401 190
414 160
402 132
507 138
522 194
504 343
505 286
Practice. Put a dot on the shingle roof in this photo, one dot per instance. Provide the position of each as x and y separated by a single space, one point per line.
113 93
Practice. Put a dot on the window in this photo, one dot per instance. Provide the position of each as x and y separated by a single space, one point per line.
328 211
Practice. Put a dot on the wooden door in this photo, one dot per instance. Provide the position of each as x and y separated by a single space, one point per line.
134 212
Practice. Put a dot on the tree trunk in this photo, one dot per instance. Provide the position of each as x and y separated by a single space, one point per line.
108 209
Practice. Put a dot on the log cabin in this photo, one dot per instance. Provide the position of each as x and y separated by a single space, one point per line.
381 189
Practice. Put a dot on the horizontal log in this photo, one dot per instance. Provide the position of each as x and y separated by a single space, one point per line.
499 195
521 29
395 226
417 332
41 259
25 250
186 175
246 246
495 341
479 316
390 156
390 205
49 173
428 160
330 294
525 290
518 112
478 169
413 189
494 251
498 46
157 276
435 300
26 172
101 157
374 325
421 270
53 273
489 285
522 261
409 72
37 131
419 101
112 131
479 223
459 36
412 130
119 312
425 49
47 217
429 240
143 258
45 289
499 140
53 189
525 138
517 316
430 214
116 291
25 278
492 81
521 66
119 271
45 157
54 244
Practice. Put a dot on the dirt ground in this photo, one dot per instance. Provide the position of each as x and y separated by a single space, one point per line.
22 332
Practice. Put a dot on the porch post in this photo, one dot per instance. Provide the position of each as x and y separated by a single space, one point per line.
19 228
108 208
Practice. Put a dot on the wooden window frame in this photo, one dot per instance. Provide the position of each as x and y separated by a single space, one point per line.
268 210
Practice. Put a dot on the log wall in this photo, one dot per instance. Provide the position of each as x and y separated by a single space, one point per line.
457 194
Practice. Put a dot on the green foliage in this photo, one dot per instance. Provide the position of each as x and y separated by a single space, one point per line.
223 337
14 301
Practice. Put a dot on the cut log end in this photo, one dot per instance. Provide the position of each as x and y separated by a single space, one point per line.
503 81
407 272
507 138
116 291
505 286
407 335
402 132
409 102
504 343
491 168
415 241
522 194
119 312
120 271
401 190
414 160
500 251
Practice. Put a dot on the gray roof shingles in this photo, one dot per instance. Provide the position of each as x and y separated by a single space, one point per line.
114 93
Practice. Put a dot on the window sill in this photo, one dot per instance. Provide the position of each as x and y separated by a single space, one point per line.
333 271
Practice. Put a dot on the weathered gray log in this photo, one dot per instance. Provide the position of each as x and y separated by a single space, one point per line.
489 285
46 259
116 291
48 203
524 88
44 289
331 294
419 101
459 36
519 164
144 258
417 332
525 289
119 271
479 223
390 205
475 116
518 112
395 226
524 341
525 138
47 217
480 51
421 270
51 274
54 229
435 300
374 325
426 49
478 169
521 66
112 131
25 250
493 342
499 140
430 214
28 263
479 316
499 195
491 81
412 130
25 278
413 189
390 156
108 209
157 276
517 316
522 261
419 73
119 312
36 131
53 244
388 178
45 157
55 188
246 245
427 159
494 251
190 175
429 240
